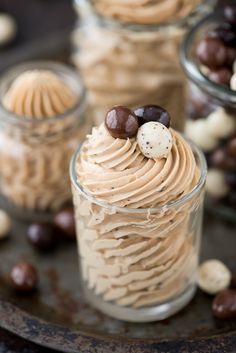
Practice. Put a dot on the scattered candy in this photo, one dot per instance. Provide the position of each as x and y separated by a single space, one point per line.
24 277
220 124
42 236
213 276
7 28
152 113
211 52
231 147
5 224
222 160
121 123
224 305
154 140
197 131
216 185
65 222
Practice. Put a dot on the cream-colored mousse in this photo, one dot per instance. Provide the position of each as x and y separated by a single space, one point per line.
146 11
130 254
134 67
36 151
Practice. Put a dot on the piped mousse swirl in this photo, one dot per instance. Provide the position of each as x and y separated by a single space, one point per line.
115 170
135 161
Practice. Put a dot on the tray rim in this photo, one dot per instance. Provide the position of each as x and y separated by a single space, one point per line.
39 331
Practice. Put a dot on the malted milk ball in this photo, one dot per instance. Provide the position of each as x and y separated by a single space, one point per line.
5 224
198 133
216 184
7 28
213 276
220 124
154 140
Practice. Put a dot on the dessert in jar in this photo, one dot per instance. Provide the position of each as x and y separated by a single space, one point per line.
138 190
41 124
127 52
209 60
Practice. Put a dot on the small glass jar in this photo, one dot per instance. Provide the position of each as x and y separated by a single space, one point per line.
135 64
35 153
212 123
136 280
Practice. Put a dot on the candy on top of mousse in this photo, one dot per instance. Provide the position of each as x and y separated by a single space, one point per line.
150 124
39 94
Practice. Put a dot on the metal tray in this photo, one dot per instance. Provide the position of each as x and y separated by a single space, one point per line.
59 317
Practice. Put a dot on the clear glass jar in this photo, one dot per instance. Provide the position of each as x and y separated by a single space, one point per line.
35 153
132 64
157 277
212 124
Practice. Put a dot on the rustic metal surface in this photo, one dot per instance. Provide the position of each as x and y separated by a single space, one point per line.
58 316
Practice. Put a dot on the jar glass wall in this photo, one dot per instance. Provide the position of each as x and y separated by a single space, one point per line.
133 64
144 279
35 153
212 123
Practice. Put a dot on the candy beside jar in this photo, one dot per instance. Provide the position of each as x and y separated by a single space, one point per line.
208 58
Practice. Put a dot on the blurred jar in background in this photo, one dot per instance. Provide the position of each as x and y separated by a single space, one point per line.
209 60
130 56
42 106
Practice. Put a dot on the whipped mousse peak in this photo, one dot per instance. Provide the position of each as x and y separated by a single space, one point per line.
146 11
39 94
116 170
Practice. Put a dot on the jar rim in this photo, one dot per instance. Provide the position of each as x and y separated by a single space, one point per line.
191 68
10 74
125 25
170 205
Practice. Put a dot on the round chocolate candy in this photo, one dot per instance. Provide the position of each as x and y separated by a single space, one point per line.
24 277
231 147
220 159
65 222
223 32
224 305
121 122
211 52
152 113
230 14
221 76
42 236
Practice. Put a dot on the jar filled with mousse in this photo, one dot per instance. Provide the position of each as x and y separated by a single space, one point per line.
138 191
42 122
209 60
127 52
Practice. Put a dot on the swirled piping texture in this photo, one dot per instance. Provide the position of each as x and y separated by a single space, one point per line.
135 258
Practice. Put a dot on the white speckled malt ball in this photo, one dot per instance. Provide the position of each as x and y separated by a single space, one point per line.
154 140
5 224
7 28
213 276
233 82
216 185
220 124
197 131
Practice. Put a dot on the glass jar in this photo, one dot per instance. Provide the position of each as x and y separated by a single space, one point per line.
136 280
132 64
212 123
35 153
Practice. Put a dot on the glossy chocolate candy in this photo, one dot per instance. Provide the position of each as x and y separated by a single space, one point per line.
121 122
